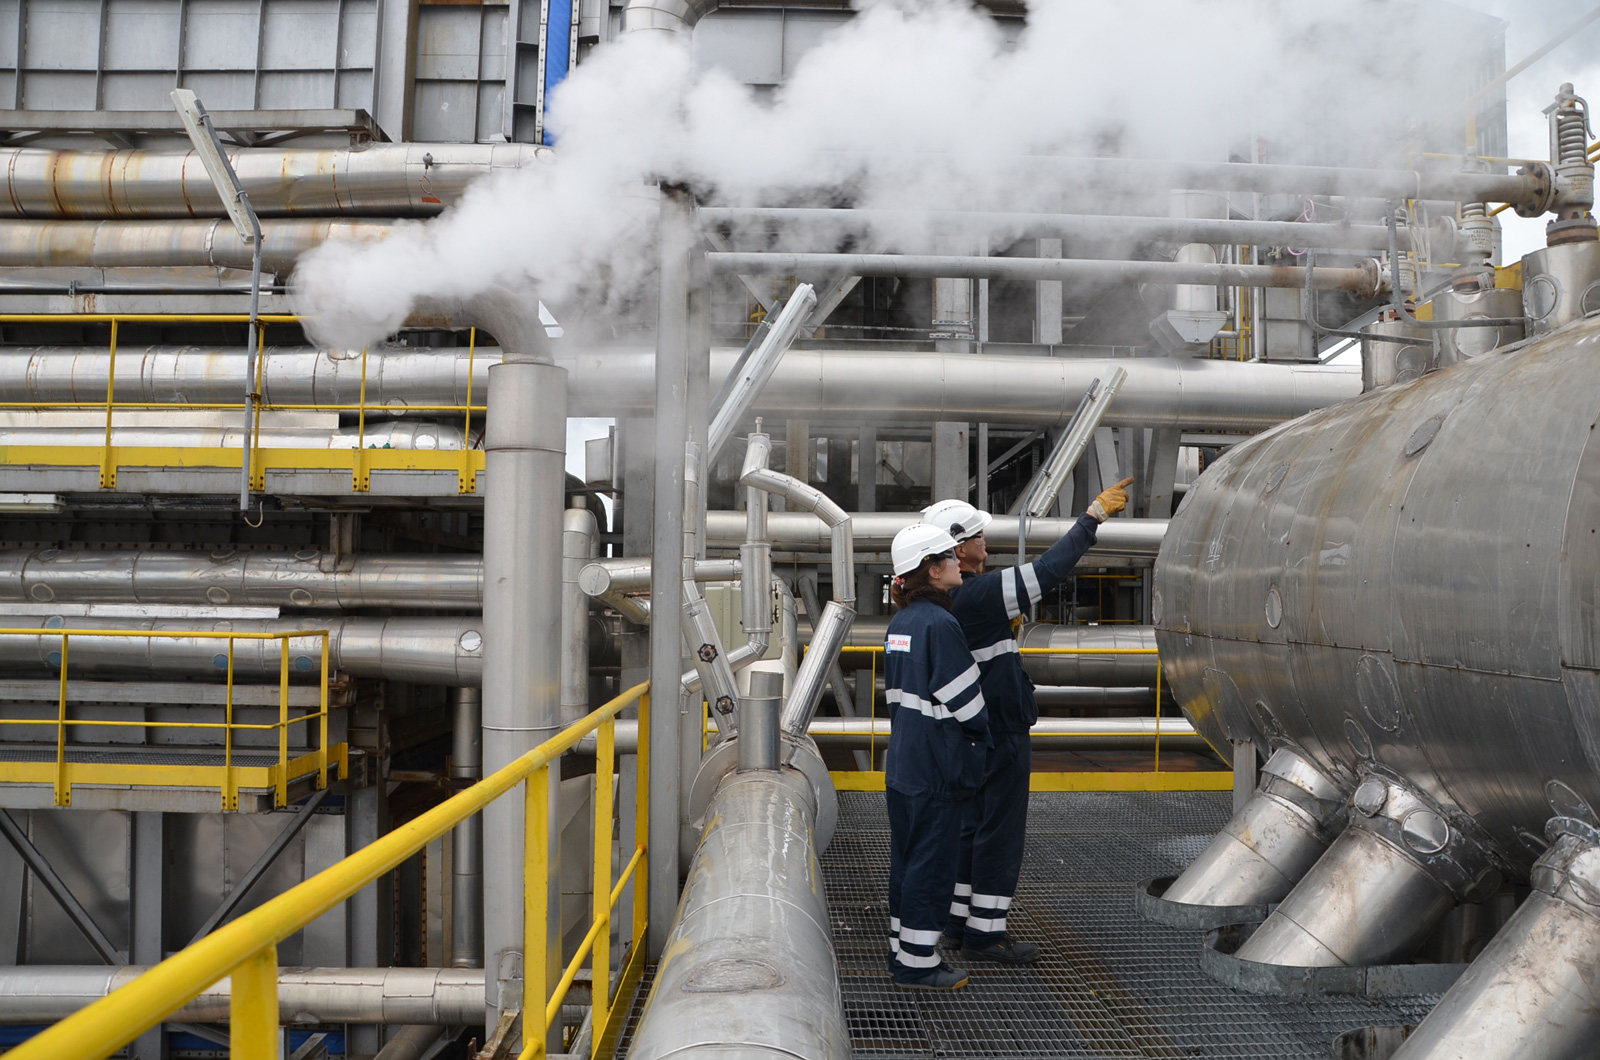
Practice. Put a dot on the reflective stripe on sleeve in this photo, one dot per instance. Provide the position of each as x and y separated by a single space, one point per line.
959 684
1008 593
970 711
1030 580
995 650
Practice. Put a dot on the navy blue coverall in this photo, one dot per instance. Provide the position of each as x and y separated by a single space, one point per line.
995 827
938 736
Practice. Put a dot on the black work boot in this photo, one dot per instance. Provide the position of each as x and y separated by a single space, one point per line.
943 977
1003 950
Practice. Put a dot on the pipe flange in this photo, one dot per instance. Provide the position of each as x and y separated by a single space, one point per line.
1411 823
1570 870
1544 189
1293 779
794 753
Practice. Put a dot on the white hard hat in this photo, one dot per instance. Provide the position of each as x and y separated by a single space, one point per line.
957 518
916 543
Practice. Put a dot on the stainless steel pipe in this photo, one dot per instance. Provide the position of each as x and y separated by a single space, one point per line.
842 385
466 861
305 578
579 545
436 651
1532 994
168 244
402 180
749 967
453 996
874 532
1112 228
1364 282
1272 842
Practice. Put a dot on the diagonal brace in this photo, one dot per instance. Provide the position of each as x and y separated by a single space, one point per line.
263 863
40 867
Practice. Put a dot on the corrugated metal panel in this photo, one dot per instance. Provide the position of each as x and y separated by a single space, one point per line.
459 91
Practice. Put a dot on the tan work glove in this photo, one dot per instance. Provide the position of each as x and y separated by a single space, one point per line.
1111 501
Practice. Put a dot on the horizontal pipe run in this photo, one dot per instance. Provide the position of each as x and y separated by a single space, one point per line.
242 578
454 996
1105 227
874 532
1188 393
631 574
170 244
402 180
1363 282
437 651
1062 734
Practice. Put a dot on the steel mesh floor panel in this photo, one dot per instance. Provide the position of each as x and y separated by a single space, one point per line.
1109 985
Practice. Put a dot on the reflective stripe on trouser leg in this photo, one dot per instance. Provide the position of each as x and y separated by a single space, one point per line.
956 925
1000 835
924 836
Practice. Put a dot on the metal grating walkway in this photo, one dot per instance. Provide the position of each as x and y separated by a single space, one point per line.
1110 984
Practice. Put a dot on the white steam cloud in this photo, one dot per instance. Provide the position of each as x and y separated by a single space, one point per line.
910 106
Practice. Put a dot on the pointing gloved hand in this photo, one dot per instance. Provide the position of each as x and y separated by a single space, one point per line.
1111 501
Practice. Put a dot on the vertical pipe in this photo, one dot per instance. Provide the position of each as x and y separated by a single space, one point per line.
666 590
149 860
466 764
525 444
579 535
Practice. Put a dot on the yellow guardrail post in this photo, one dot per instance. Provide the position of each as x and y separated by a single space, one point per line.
322 715
361 476
468 482
230 786
535 910
281 797
641 825
63 792
108 463
253 1007
600 967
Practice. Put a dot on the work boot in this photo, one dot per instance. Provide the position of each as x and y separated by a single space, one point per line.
943 977
1003 950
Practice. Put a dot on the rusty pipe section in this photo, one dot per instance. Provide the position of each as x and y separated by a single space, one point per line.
378 180
305 578
171 244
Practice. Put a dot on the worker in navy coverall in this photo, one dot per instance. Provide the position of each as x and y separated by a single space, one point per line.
938 737
995 827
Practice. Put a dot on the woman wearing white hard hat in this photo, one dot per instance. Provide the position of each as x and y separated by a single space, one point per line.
938 735
995 830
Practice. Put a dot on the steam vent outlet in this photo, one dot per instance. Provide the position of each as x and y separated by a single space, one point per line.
1274 839
1381 888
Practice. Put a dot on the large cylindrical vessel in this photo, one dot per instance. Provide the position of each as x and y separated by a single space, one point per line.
1408 583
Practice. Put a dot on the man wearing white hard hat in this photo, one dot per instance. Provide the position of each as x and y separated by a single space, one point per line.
938 740
995 828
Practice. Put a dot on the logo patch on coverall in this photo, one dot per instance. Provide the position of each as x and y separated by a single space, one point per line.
898 642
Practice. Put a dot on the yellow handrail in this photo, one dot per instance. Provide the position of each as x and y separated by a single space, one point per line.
227 782
246 947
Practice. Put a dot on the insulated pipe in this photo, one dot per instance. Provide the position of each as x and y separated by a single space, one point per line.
409 1043
525 461
749 969
466 902
391 434
842 385
1272 842
411 179
630 574
1532 993
305 578
167 244
579 545
874 532
1365 281
1098 227
1083 666
436 651
439 996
